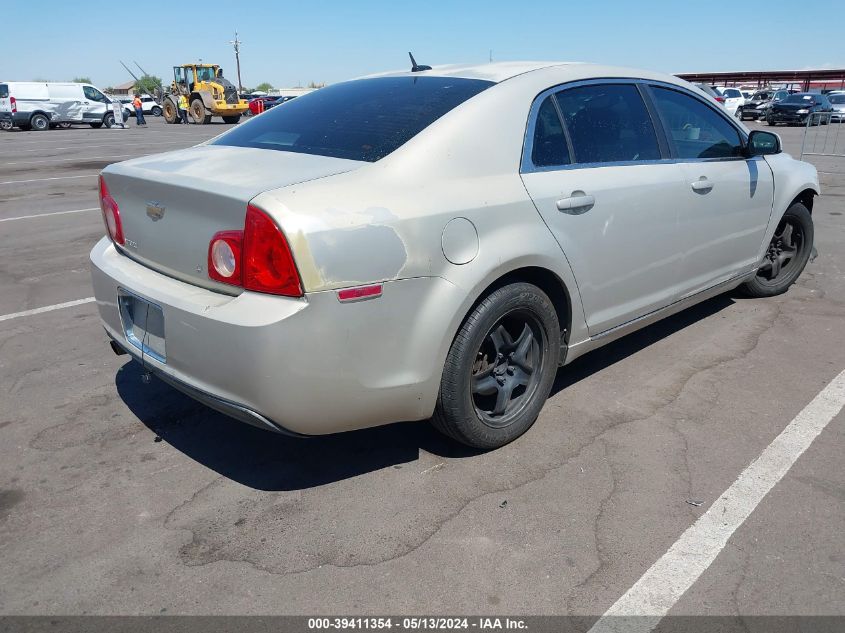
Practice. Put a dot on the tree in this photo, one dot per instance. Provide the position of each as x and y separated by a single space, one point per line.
314 84
148 84
263 87
81 80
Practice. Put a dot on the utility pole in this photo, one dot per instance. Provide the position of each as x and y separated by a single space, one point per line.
236 43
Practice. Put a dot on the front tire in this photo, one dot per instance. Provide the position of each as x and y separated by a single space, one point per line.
199 113
171 112
787 254
156 111
500 368
96 125
39 122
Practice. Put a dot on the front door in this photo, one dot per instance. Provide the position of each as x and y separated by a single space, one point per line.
600 185
727 197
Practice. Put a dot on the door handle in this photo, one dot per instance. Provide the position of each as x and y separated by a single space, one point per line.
702 185
578 203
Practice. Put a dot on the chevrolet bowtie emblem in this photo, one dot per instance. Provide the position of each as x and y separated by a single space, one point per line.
155 211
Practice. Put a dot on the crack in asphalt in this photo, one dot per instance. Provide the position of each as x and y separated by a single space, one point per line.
200 551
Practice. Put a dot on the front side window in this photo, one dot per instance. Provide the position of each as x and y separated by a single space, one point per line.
549 144
93 94
608 123
365 120
695 129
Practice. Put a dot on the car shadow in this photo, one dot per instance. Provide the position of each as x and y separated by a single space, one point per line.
612 353
267 461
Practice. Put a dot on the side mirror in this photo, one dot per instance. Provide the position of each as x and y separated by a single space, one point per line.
762 143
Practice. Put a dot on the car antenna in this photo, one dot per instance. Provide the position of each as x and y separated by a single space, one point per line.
415 67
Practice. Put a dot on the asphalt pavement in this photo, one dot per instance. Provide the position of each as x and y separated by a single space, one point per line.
121 497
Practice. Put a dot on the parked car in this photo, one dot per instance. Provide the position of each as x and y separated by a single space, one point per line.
837 101
149 106
798 108
373 252
712 91
756 107
732 100
36 105
259 104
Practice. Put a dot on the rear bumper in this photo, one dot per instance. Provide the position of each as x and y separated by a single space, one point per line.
306 366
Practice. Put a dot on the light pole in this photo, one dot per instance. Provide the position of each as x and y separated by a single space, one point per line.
236 43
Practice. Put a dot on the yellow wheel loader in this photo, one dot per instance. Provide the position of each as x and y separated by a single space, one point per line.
209 94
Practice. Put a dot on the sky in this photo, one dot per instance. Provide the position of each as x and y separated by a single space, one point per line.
293 43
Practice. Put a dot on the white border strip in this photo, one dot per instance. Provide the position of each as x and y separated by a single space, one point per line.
58 306
656 592
44 215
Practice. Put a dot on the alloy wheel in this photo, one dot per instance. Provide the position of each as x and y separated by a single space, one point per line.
508 368
783 251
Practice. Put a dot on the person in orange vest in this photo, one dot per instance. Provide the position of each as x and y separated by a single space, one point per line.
139 110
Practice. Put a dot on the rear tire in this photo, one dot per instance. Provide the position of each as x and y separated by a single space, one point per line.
232 119
500 368
787 254
108 120
39 122
770 121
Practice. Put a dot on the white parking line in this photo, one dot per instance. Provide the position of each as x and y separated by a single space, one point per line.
115 144
58 306
42 215
656 592
15 182
66 159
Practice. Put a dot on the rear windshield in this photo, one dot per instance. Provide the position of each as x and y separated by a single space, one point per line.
4 91
837 99
363 120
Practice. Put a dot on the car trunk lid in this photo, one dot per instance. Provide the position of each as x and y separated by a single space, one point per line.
172 204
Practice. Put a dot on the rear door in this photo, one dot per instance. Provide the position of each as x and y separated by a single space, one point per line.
603 186
727 198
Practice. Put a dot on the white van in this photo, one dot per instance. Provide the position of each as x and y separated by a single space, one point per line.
36 105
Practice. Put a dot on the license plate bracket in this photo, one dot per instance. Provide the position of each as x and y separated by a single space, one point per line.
143 324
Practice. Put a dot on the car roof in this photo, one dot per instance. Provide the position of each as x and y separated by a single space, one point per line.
535 72
494 71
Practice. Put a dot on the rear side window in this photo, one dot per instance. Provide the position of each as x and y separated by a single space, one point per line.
608 123
549 146
4 91
695 129
362 120
730 93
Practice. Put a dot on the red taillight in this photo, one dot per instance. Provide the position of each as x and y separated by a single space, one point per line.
14 105
720 99
268 264
257 258
111 214
224 257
